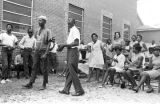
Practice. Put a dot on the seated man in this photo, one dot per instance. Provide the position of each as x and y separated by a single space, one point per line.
153 73
117 65
18 64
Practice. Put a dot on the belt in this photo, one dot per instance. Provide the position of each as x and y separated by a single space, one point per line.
28 48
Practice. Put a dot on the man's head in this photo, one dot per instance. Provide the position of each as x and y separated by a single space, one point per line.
9 28
53 39
118 50
30 32
42 21
137 48
71 22
94 37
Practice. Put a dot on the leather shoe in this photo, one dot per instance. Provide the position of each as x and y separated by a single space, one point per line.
150 90
135 89
28 86
64 92
78 94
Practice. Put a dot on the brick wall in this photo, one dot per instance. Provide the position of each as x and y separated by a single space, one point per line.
55 12
1 5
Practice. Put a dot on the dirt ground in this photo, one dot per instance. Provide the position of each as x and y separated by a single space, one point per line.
12 93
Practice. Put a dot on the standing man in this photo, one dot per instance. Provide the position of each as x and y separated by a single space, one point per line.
43 36
72 60
28 44
8 41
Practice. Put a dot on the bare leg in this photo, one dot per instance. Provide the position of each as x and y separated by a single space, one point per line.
97 74
90 74
144 77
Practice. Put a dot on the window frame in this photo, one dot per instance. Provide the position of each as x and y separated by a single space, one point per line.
3 20
82 15
110 16
125 22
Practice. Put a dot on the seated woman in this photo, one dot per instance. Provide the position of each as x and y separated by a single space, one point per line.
117 65
135 63
146 76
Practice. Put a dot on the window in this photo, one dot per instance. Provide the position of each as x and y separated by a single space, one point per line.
106 28
126 32
77 14
18 13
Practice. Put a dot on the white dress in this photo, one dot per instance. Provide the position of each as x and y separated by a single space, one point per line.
96 59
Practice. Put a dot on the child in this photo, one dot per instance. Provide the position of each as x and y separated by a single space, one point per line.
53 55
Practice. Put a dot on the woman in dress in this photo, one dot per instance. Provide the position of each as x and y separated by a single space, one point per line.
96 60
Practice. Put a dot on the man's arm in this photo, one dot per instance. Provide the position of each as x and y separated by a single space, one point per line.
21 43
48 40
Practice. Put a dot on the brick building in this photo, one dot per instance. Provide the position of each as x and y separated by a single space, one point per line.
103 17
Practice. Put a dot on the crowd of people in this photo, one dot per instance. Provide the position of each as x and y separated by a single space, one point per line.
133 61
130 60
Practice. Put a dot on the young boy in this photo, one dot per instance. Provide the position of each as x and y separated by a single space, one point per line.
53 55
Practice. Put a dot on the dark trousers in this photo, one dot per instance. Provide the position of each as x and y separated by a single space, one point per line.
27 61
72 69
19 68
52 59
43 63
6 62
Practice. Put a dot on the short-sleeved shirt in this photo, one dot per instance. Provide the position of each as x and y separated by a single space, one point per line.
121 60
8 40
54 46
42 38
28 42
73 34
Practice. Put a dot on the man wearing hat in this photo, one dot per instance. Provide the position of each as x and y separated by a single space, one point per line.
43 36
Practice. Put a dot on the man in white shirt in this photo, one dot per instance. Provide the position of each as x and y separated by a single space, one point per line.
27 44
8 41
72 60
53 55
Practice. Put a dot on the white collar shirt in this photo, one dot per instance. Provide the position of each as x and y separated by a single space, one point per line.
27 42
73 34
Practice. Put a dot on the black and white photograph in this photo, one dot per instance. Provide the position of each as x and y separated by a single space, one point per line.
79 52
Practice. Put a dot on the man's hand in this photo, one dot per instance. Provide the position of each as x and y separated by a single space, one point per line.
44 56
60 47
